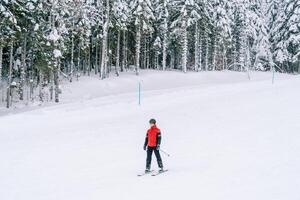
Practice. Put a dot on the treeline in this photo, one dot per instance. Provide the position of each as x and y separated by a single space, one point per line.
42 42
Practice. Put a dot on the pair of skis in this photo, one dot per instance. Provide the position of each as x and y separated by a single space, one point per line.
153 173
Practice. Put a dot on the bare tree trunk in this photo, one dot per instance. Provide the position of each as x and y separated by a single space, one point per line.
56 79
31 81
96 58
72 53
124 61
41 86
100 57
145 52
196 47
78 62
107 53
104 44
148 52
51 81
184 50
8 99
138 47
118 53
1 57
31 97
214 55
156 60
89 59
224 57
172 62
248 58
84 64
108 57
206 55
200 53
1 54
242 62
123 52
164 55
126 51
23 66
145 57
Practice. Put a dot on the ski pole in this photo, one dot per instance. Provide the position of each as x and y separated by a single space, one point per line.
165 152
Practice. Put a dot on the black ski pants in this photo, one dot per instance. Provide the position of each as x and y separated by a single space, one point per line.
149 157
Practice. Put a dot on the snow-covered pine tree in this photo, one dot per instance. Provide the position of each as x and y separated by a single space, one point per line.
157 48
202 30
258 35
143 16
285 33
121 17
51 38
8 23
25 12
8 36
105 30
96 33
238 25
162 18
55 31
73 18
186 13
220 34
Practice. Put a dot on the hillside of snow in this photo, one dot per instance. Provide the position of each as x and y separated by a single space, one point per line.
230 138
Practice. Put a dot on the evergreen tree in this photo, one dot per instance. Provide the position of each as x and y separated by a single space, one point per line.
143 17
285 33
43 41
186 14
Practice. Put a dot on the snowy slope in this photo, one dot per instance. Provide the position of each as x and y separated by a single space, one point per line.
229 138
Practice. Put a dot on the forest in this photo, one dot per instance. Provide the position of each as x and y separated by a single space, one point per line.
45 42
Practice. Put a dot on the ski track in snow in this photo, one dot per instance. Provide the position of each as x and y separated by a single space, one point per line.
229 138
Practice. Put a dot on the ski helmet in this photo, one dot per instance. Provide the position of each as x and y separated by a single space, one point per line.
152 121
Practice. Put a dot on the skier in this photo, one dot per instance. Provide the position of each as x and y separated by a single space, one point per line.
153 140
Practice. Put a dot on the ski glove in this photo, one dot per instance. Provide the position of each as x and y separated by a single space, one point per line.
157 147
145 147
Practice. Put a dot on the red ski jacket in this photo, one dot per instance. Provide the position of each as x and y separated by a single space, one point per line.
153 137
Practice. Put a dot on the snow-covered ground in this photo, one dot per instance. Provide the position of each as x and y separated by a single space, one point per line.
229 139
